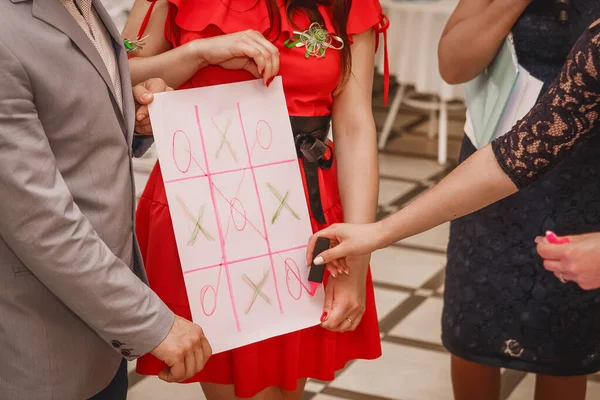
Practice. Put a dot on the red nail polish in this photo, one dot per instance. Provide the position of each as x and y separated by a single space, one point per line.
324 316
270 80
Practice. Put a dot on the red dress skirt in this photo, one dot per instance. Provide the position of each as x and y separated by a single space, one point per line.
310 353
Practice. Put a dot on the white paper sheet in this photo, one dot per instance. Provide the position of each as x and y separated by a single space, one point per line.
238 208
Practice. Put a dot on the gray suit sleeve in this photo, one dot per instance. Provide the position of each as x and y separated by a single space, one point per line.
44 227
141 144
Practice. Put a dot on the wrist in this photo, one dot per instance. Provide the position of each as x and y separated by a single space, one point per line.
363 259
197 51
359 264
386 233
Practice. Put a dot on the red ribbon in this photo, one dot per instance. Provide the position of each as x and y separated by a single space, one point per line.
146 19
382 27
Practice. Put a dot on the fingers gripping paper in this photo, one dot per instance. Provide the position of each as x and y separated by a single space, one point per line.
238 208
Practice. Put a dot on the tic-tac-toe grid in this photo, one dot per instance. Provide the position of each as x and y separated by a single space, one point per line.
252 205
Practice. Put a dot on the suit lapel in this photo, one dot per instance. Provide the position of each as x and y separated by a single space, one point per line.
123 63
55 14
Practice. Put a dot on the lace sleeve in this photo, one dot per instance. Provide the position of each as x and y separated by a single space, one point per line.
561 119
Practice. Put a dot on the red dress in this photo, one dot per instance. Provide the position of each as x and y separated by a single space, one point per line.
308 86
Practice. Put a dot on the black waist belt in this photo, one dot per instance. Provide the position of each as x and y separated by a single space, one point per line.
310 136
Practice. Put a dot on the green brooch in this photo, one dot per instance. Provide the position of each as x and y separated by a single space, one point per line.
316 40
134 45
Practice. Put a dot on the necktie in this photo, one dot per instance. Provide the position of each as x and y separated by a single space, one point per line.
83 13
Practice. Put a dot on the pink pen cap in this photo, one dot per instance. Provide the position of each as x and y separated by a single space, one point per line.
552 238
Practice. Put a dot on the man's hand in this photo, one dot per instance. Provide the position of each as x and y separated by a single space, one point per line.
185 350
577 261
143 95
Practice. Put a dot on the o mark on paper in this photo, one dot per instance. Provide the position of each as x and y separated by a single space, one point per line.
264 135
292 267
187 142
203 292
240 213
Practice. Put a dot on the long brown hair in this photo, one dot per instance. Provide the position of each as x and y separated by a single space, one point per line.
341 10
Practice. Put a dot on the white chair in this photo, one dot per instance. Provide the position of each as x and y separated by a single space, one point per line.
413 36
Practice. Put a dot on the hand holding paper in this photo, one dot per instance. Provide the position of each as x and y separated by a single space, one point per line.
247 50
143 95
185 350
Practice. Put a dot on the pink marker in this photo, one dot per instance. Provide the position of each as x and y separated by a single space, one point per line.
315 276
552 238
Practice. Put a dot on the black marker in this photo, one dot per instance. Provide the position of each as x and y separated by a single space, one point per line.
315 276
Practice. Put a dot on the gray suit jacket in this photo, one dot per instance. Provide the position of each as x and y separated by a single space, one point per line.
71 304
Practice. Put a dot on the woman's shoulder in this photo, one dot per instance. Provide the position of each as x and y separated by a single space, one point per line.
363 15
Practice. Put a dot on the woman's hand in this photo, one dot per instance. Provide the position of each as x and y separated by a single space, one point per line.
577 261
347 240
345 297
247 50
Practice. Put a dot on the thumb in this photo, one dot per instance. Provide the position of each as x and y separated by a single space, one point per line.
327 307
330 233
165 375
549 251
142 95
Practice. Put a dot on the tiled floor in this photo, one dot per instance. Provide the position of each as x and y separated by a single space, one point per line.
408 279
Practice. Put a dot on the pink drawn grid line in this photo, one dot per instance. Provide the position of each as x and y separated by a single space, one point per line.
219 227
277 252
260 207
185 178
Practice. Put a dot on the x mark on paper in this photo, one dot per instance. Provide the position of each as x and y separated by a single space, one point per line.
224 140
197 223
257 289
282 203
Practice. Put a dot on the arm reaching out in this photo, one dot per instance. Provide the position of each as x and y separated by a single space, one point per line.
563 118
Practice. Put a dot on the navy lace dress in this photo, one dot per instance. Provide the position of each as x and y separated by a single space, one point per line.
501 307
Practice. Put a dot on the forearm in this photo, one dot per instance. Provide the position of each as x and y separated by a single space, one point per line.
358 174
358 178
355 136
537 143
476 183
470 43
175 66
